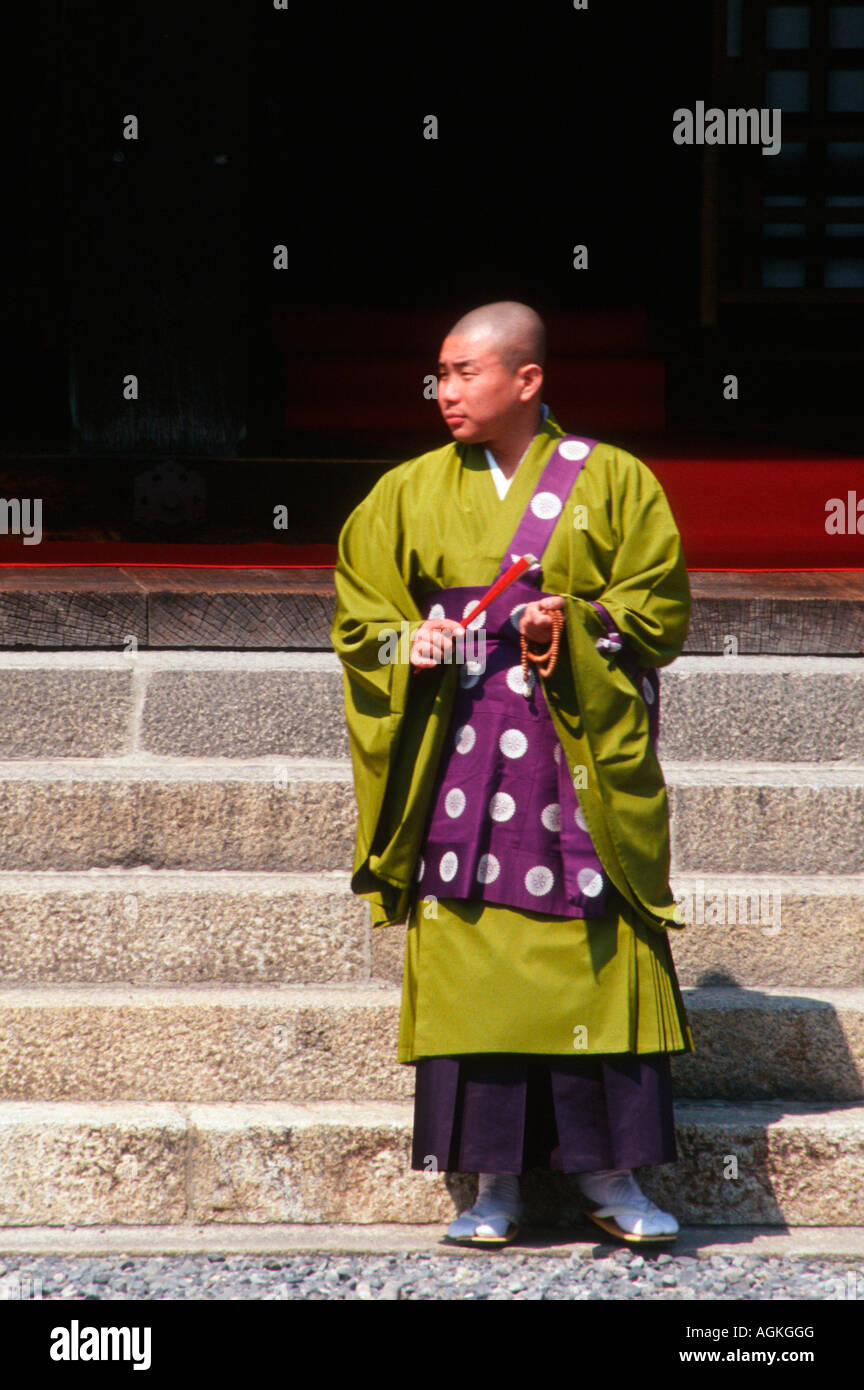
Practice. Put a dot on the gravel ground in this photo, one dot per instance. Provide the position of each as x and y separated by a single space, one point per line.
618 1273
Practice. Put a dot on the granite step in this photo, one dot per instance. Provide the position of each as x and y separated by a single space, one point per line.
808 930
208 815
298 815
262 704
773 1163
176 926
763 818
306 1042
180 927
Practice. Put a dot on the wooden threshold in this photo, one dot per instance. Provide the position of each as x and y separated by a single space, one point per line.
813 613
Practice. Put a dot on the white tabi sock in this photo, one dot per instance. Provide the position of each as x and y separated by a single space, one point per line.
621 1197
503 1187
498 1204
497 1196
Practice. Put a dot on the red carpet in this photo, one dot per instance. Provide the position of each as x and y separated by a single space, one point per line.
764 513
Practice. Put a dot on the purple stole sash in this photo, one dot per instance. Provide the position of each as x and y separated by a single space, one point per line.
554 486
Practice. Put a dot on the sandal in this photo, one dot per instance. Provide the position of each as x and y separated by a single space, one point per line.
606 1219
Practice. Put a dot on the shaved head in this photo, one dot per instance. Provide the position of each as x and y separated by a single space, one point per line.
517 333
490 376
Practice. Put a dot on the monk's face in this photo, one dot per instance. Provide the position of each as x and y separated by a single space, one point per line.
478 397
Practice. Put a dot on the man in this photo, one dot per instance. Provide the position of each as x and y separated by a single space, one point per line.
511 806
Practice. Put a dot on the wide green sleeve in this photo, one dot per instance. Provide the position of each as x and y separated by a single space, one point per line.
397 718
629 559
646 589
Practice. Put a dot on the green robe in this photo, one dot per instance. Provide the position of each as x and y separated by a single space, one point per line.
438 522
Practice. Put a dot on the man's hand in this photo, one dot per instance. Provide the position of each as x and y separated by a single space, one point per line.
433 642
535 623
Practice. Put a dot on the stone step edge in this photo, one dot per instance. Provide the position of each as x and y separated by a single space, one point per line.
812 1242
152 768
309 661
801 885
169 1164
377 995
395 1114
118 877
147 767
240 660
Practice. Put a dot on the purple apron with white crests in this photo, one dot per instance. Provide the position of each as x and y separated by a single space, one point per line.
505 824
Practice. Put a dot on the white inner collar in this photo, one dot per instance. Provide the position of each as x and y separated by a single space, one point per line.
501 482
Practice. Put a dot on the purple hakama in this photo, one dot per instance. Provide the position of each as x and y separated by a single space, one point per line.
509 1114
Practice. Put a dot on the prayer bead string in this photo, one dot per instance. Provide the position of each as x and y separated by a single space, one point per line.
544 661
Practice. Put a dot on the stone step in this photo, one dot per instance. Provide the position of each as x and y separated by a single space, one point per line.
764 818
767 1163
234 704
263 704
231 1043
285 815
764 1044
309 1042
175 927
808 930
835 1243
762 708
254 816
161 927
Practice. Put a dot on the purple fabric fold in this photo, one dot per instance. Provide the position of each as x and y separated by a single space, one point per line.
509 1114
613 641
